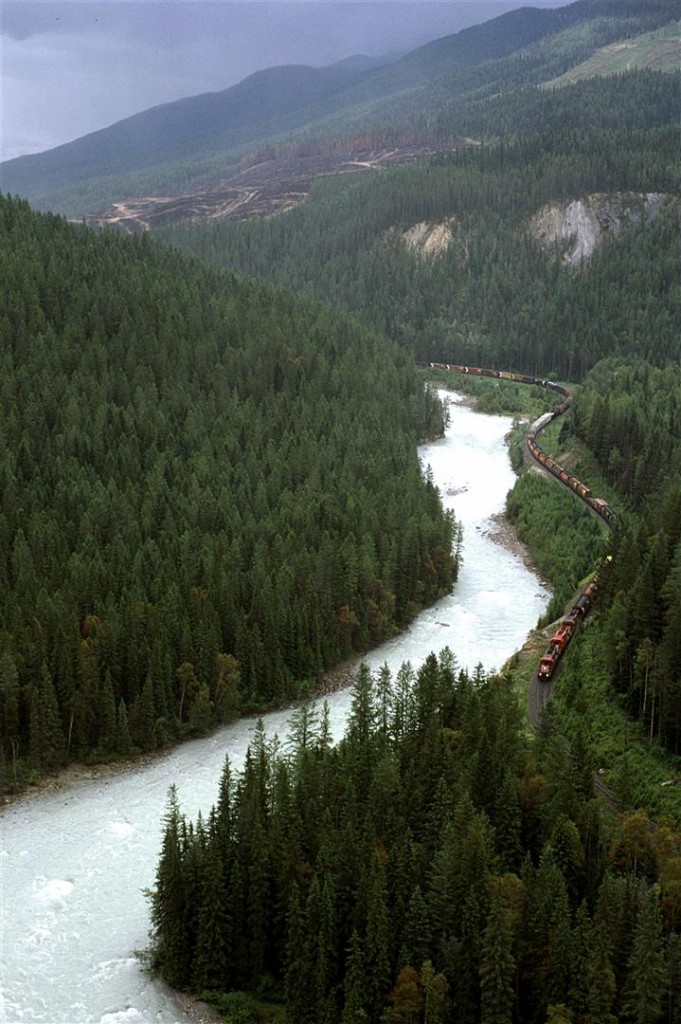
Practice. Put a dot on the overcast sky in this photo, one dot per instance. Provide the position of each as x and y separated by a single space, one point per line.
67 69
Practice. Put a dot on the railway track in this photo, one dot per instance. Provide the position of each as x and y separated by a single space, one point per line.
542 685
541 688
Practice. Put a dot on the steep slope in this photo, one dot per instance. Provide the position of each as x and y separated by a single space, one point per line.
199 140
660 51
577 228
492 296
211 491
261 105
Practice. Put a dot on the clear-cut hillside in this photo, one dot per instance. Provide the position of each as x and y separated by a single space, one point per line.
198 141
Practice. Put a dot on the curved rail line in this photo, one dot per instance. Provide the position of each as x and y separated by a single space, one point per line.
569 623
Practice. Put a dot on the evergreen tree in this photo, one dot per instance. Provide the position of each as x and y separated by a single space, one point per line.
209 968
377 944
497 966
123 739
416 938
646 982
9 711
47 743
299 1005
601 980
171 952
107 726
355 985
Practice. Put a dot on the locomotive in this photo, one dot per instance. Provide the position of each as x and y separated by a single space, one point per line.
568 625
566 630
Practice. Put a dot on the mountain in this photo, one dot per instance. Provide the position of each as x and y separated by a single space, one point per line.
659 50
200 140
253 109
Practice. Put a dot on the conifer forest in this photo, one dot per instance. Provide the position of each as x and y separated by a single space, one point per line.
210 496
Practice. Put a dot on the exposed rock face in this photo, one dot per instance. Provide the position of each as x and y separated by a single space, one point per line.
427 239
583 223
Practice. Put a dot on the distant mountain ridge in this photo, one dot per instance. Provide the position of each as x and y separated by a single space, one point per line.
208 121
206 135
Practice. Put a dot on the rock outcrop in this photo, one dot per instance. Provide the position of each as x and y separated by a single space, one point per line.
582 224
427 239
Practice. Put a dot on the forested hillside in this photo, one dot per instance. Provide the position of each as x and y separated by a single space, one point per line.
494 294
629 413
210 493
494 297
434 96
434 867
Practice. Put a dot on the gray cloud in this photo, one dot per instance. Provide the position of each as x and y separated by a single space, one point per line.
70 68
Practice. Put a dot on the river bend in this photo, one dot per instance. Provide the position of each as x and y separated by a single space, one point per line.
74 861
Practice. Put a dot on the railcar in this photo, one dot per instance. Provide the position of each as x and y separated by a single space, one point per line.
561 637
604 510
554 651
539 424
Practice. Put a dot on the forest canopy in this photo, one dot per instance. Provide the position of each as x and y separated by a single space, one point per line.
434 867
494 296
211 493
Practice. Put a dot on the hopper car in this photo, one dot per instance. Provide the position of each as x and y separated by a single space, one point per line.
569 623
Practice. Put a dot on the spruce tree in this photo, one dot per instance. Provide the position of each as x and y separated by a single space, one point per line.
209 967
416 936
647 978
497 966
297 987
601 982
377 944
107 724
123 739
171 950
355 984
47 743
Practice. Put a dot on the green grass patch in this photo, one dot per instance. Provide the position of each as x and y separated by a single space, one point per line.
658 51
502 397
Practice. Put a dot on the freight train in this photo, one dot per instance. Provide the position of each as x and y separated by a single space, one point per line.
568 625
566 630
599 506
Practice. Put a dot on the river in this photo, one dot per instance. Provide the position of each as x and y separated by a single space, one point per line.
74 861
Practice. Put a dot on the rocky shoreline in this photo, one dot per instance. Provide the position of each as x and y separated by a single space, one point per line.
199 1011
503 532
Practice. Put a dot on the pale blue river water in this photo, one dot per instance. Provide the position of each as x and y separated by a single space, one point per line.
74 862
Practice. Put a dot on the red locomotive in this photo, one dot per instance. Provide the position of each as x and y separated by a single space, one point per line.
565 631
